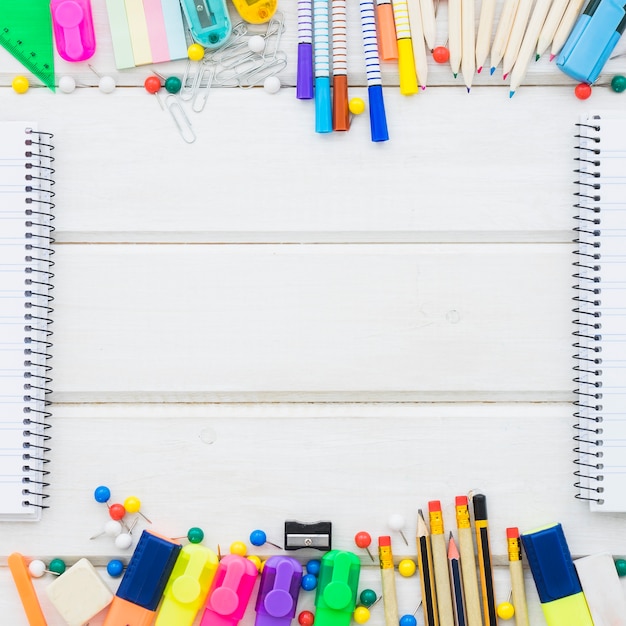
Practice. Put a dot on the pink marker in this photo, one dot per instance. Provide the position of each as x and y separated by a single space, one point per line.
230 591
73 29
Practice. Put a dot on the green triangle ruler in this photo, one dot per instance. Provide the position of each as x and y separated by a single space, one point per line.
26 32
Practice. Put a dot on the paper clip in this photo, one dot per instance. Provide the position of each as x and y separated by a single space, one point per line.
180 119
275 28
201 93
257 76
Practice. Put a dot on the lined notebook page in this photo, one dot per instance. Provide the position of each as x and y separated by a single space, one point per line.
25 215
603 425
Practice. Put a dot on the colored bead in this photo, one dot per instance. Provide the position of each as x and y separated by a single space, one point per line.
256 43
238 547
271 84
106 84
620 566
309 582
256 560
37 568
115 568
408 620
117 511
582 91
363 539
306 618
406 568
102 494
356 106
173 84
67 84
258 537
313 567
57 566
505 610
361 615
441 54
124 541
195 535
20 84
618 83
368 597
195 52
152 84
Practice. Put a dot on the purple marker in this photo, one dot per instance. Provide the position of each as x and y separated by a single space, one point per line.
277 600
304 78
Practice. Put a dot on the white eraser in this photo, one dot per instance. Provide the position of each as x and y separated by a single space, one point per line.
79 594
602 589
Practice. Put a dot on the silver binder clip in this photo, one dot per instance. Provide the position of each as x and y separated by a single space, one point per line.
180 119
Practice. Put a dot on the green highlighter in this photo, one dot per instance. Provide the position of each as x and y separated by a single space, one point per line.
560 593
337 586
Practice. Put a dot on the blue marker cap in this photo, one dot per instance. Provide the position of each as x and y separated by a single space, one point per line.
323 110
551 563
378 118
304 78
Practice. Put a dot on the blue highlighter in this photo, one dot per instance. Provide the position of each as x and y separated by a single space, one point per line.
592 40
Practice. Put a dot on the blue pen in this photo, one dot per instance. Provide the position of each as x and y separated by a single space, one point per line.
592 40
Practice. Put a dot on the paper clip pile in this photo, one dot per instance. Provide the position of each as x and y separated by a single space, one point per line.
247 59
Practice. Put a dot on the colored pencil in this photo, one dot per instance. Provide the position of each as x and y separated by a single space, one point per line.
427 579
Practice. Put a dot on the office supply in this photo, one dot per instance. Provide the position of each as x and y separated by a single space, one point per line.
468 42
600 287
258 538
256 11
429 24
397 522
603 589
321 66
26 33
417 42
515 38
455 35
230 591
26 590
364 540
529 44
427 578
440 564
592 40
304 76
338 582
140 590
378 117
483 549
152 31
208 20
553 19
406 61
468 562
341 115
456 583
187 587
386 30
316 535
518 589
503 32
73 29
26 170
485 28
388 581
79 594
562 599
565 27
279 590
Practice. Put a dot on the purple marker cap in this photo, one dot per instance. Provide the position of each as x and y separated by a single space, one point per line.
278 591
304 78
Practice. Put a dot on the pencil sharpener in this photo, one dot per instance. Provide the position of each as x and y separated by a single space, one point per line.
316 535
208 20
256 11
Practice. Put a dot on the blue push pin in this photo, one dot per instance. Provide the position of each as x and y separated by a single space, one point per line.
102 494
115 568
313 567
259 538
309 582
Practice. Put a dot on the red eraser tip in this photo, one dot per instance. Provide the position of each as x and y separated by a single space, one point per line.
512 533
461 500
434 506
385 540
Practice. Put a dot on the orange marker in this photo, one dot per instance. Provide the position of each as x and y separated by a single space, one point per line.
386 27
25 588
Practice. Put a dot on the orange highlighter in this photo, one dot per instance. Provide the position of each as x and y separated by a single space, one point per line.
25 588
386 27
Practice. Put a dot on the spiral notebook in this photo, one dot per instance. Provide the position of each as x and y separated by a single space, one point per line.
26 214
601 311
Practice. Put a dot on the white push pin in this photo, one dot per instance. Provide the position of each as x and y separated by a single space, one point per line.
37 568
112 528
256 43
106 84
396 522
125 540
271 84
67 84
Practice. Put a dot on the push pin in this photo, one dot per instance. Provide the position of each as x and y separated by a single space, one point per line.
313 567
106 84
506 610
368 598
172 84
409 619
37 568
363 540
306 618
258 538
396 522
308 582
132 504
115 568
20 84
363 613
238 547
112 528
152 85
125 540
316 535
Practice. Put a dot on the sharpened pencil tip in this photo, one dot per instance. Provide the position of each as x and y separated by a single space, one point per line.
491 71
511 94
455 75
479 69
504 76
468 89
552 57
537 57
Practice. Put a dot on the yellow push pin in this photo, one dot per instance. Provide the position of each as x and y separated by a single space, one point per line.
361 614
238 547
195 52
132 504
256 560
406 568
505 610
356 106
20 84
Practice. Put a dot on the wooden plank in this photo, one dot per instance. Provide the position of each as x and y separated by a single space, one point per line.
322 322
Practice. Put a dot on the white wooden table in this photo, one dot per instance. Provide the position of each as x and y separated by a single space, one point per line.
274 324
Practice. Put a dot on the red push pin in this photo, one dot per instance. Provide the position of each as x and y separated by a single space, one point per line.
364 540
152 85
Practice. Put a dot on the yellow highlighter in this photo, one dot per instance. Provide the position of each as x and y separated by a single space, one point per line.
406 59
188 586
560 593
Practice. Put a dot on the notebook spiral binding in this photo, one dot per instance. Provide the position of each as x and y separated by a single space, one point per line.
588 317
39 213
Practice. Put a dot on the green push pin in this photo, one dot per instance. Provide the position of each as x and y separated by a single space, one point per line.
173 84
57 566
618 84
620 566
368 597
195 535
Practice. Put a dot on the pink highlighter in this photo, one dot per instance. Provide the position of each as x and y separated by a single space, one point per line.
230 591
73 29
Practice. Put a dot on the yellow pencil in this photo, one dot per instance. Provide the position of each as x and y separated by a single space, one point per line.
440 564
517 577
427 580
468 563
388 580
